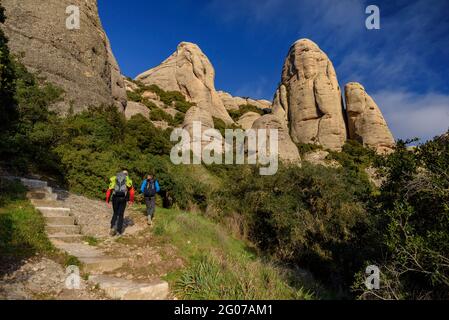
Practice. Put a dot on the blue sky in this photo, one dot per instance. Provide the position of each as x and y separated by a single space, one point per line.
404 65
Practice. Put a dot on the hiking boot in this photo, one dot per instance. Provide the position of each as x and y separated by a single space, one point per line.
150 222
118 235
113 232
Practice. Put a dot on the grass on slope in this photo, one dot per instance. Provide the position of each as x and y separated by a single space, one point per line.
22 228
218 265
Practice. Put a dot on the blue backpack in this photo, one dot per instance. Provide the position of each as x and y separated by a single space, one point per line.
150 189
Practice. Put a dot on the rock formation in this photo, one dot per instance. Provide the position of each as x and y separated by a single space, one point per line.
288 151
365 121
196 113
233 103
280 103
129 85
247 120
189 71
79 61
134 108
309 97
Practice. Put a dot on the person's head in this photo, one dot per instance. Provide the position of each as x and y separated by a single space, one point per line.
125 172
150 177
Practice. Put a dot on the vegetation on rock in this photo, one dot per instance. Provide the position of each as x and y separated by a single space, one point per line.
236 114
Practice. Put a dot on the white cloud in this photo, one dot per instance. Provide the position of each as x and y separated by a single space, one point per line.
412 115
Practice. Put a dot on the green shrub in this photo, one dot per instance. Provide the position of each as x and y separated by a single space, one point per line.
178 119
96 143
221 126
72 261
160 115
413 221
183 106
355 158
143 136
169 98
24 146
134 96
354 155
309 216
153 88
149 104
305 148
22 228
236 114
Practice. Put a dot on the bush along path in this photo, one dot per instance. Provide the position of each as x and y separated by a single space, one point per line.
64 231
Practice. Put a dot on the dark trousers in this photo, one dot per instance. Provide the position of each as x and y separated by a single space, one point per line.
119 206
150 202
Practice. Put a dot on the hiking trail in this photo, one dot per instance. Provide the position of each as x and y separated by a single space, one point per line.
65 231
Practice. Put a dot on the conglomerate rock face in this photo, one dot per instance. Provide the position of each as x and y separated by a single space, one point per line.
287 150
135 108
189 71
247 120
233 103
80 61
309 97
365 120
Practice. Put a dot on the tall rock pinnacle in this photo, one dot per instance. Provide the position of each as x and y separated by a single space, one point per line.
309 97
365 120
189 71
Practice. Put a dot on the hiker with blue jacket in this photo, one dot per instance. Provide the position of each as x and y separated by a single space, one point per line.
149 188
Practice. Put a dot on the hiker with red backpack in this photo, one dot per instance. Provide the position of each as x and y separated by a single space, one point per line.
150 187
120 191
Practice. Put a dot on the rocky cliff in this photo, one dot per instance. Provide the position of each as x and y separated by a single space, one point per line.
309 100
365 120
79 61
190 72
233 103
309 97
288 151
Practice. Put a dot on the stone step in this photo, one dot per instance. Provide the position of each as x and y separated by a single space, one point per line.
122 289
68 229
101 264
60 220
47 203
79 250
34 184
42 195
93 259
54 212
48 189
65 237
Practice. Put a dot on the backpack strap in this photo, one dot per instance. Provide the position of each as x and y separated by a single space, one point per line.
112 182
